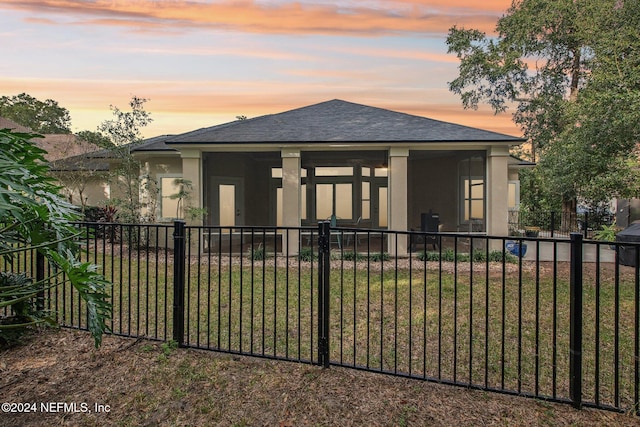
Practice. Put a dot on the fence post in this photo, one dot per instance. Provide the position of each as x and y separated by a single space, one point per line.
575 314
179 254
324 259
553 222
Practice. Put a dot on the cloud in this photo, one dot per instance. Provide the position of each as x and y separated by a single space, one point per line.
345 18
179 106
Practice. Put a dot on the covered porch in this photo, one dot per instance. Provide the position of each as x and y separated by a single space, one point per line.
380 188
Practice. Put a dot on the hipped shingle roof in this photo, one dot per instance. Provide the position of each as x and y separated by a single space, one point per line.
339 121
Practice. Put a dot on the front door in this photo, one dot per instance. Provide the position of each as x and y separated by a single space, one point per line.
227 201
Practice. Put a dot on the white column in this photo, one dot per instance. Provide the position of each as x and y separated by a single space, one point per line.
398 198
291 197
498 191
192 171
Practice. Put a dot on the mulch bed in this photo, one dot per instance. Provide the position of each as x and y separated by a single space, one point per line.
151 384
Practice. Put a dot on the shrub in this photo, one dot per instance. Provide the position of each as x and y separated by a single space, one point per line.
479 255
379 256
353 256
258 254
307 254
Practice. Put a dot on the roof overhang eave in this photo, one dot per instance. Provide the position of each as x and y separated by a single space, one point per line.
373 145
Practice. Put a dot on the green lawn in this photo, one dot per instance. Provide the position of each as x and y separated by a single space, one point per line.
463 324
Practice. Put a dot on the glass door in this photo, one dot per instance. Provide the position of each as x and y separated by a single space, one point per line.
227 201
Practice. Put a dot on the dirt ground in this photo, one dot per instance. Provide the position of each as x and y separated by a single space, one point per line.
131 382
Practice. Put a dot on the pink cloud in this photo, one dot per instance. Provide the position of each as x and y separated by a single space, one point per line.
414 16
179 106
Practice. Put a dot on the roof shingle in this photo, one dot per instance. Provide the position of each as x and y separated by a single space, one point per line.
339 121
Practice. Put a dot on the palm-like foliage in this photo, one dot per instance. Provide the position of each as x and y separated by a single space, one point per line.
34 217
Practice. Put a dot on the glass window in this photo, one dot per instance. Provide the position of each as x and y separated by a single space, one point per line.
382 172
366 200
382 207
334 171
334 199
324 201
366 171
473 198
170 206
303 201
344 201
514 194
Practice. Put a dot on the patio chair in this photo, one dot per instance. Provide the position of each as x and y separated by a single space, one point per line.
430 223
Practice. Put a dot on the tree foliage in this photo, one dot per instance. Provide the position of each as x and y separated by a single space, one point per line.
95 138
124 132
40 116
34 217
569 69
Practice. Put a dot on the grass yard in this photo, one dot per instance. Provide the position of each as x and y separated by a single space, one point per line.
468 322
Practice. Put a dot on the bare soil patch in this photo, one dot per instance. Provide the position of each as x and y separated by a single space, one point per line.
151 384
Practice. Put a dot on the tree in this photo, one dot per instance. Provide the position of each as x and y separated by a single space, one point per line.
184 209
40 116
95 138
569 67
123 132
35 218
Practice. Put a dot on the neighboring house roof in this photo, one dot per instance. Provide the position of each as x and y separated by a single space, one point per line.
78 163
60 146
97 160
339 121
10 124
57 146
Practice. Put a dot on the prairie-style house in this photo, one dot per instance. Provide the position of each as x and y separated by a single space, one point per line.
358 165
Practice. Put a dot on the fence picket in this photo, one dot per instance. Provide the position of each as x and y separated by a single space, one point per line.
466 312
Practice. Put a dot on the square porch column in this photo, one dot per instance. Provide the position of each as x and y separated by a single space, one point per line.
398 199
498 191
291 209
192 171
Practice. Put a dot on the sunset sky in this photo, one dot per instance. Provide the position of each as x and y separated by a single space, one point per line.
202 62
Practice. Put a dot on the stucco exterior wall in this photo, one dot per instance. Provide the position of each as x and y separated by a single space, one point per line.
96 191
164 165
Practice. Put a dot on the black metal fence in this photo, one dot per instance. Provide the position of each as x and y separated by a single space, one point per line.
557 224
559 322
